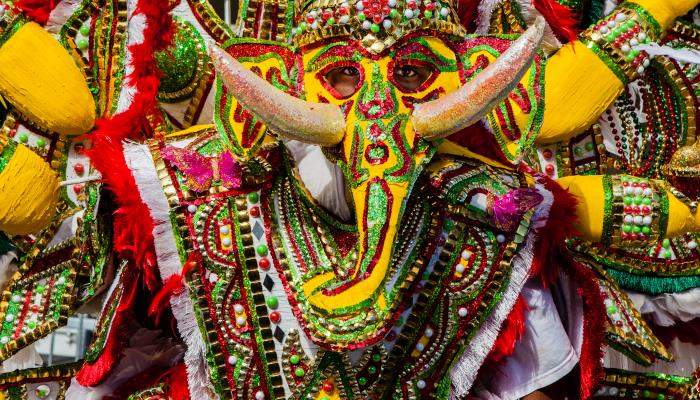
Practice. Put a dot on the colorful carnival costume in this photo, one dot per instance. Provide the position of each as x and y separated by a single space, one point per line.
495 197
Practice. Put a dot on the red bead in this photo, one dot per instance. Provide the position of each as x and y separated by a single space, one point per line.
275 317
431 7
549 169
79 168
328 387
547 153
254 212
310 19
646 210
35 308
326 15
77 188
377 18
264 264
342 11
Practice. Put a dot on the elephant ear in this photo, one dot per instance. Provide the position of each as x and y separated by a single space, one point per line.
515 122
278 64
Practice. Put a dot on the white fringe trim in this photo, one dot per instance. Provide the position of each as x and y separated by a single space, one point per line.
140 162
136 26
465 369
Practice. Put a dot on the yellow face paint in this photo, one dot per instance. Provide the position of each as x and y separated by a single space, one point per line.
381 155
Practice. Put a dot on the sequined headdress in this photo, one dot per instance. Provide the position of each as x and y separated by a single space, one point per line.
377 24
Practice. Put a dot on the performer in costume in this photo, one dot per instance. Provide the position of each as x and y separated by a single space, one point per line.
405 278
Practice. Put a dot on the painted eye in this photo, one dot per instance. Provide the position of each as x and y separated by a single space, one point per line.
409 78
344 80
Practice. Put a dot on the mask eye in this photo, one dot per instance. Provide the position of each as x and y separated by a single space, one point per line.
411 78
345 80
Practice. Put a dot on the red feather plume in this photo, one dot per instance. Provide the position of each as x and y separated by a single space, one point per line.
560 18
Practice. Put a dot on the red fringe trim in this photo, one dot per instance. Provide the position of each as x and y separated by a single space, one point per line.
590 362
560 18
38 10
133 225
512 331
175 284
550 238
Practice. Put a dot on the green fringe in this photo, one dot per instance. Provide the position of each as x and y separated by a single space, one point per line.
654 285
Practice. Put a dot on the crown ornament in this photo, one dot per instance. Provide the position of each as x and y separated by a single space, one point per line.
377 24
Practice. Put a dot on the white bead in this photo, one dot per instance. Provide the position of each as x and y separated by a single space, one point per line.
500 238
646 62
2 11
420 384
232 360
386 23
238 308
4 339
638 191
314 25
61 280
359 6
408 13
16 298
614 391
226 241
344 19
191 208
459 268
646 220
420 347
466 254
620 17
640 69
429 332
628 190
611 24
213 277
444 11
625 48
638 219
647 192
604 30
225 229
628 219
366 25
692 245
240 321
313 13
392 3
9 318
634 42
259 395
462 312
642 35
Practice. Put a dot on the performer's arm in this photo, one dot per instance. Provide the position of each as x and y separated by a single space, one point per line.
628 209
583 78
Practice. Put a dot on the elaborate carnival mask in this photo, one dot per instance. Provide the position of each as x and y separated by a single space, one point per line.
378 85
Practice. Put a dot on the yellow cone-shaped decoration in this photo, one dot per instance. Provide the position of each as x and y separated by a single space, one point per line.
41 81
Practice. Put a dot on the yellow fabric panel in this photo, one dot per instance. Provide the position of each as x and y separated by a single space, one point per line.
43 83
28 193
666 11
579 87
680 219
589 191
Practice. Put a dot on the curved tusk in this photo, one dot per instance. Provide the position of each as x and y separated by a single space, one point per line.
286 115
463 107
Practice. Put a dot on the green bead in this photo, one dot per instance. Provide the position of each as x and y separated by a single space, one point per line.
302 27
294 359
374 28
646 393
638 200
372 369
646 230
82 43
272 302
660 396
361 17
85 30
23 137
611 310
325 398
667 254
627 200
40 143
666 243
449 224
299 372
428 14
393 13
636 229
261 250
646 201
40 289
253 197
627 228
376 357
362 381
31 324
578 151
330 21
589 146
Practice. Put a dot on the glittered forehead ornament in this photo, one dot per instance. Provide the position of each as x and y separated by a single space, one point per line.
376 24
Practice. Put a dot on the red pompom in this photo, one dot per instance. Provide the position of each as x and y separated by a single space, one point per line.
38 10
